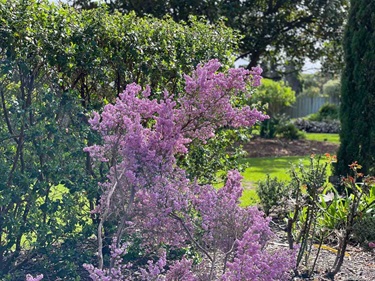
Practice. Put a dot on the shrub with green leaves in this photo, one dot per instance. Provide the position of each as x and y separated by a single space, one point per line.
56 65
364 227
364 230
289 131
328 112
274 97
271 193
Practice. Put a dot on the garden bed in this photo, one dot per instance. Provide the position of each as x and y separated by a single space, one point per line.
359 264
259 147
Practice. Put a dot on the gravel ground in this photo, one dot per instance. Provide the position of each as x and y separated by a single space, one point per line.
359 264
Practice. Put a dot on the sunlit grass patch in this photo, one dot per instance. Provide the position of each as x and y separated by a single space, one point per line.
274 166
249 198
278 167
259 168
334 138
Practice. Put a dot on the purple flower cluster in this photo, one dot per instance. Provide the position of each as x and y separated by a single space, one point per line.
31 278
151 197
207 101
251 262
117 270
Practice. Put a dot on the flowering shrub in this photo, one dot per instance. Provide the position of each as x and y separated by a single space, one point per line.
251 263
149 197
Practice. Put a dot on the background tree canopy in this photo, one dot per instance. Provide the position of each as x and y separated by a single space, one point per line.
277 30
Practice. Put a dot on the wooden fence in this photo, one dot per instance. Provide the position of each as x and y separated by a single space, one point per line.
308 105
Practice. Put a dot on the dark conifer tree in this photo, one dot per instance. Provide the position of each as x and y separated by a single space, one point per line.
357 112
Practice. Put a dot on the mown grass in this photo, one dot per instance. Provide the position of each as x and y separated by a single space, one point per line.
278 167
274 166
259 168
334 138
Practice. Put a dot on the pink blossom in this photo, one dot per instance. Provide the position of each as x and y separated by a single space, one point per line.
181 270
252 262
29 277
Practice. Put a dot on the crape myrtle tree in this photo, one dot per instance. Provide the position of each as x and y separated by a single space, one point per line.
56 65
151 200
274 31
357 112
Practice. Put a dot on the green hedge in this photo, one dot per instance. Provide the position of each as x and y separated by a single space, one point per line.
56 65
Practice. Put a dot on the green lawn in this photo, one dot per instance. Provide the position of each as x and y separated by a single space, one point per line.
259 168
276 167
334 138
249 197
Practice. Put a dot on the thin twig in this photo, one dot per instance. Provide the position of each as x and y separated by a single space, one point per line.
100 227
191 236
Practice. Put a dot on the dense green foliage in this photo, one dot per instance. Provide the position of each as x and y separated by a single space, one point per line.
274 96
327 112
312 84
277 31
357 112
332 89
322 85
56 65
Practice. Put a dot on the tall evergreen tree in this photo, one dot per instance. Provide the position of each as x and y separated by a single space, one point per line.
358 90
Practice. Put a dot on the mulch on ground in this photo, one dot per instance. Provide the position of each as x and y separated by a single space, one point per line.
259 147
